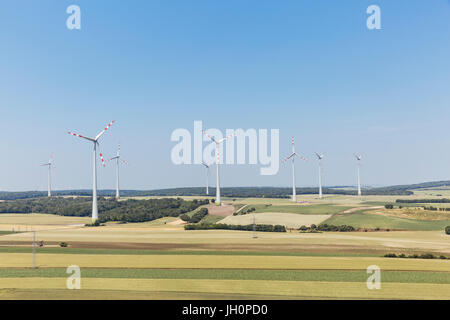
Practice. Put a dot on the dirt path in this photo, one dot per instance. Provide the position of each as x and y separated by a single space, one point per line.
177 222
352 210
239 210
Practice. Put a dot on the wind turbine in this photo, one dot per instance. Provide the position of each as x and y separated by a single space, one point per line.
207 177
292 156
49 165
218 143
358 159
94 184
319 158
118 159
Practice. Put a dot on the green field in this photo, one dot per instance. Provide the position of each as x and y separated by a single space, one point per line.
2 233
234 274
371 221
211 219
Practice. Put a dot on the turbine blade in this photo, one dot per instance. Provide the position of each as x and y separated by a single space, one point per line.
227 137
104 130
319 156
209 136
301 157
80 136
286 159
103 160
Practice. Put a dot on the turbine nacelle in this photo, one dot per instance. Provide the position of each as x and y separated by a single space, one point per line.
319 156
206 166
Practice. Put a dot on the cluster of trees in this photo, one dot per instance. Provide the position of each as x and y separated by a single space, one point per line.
326 227
147 210
447 230
109 209
429 208
415 256
443 200
55 205
196 217
250 227
244 211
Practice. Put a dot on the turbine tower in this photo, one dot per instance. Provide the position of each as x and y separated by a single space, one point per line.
49 165
218 143
292 156
118 159
358 159
207 177
94 184
319 158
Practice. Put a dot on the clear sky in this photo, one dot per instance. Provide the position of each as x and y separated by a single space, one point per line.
309 68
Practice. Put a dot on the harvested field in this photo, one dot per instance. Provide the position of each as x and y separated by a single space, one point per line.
223 210
290 220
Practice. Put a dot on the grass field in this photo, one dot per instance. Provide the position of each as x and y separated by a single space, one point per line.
368 220
160 260
232 274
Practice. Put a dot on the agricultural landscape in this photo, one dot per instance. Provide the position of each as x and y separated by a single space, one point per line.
161 258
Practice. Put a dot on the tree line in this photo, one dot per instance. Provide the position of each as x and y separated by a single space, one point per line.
222 226
231 192
443 200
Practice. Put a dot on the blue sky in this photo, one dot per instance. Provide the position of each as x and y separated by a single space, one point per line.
309 68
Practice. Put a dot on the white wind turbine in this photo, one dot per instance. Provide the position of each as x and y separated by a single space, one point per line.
49 165
218 143
358 159
292 156
207 177
319 158
118 159
94 184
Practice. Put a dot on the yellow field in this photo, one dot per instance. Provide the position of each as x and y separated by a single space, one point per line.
432 241
280 289
34 221
21 260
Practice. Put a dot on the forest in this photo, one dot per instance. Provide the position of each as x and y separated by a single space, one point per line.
109 209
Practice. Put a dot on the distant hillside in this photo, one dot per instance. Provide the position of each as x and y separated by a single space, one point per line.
233 192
